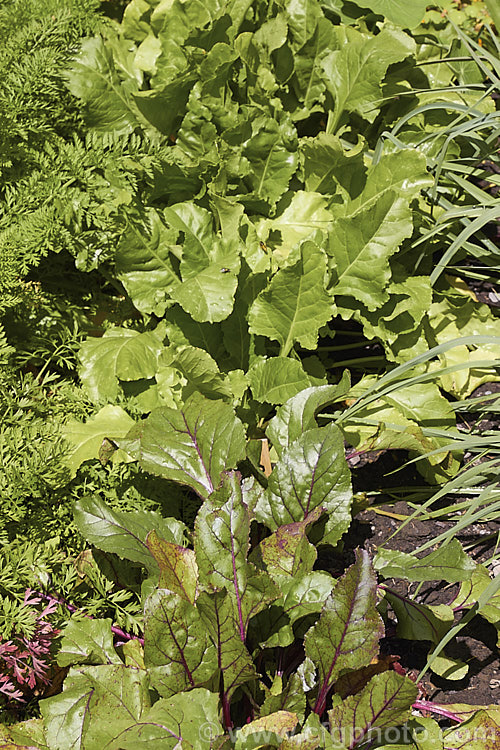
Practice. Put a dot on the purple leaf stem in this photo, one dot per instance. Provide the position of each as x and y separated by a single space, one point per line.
428 706
114 629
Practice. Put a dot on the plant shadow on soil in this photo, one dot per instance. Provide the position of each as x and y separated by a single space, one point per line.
476 644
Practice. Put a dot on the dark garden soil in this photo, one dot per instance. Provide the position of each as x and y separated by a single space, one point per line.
476 645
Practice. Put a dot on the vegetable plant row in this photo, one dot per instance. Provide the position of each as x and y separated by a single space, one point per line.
267 213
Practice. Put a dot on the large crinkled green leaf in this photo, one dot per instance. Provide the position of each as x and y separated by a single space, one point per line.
398 11
87 641
384 702
109 707
451 316
398 323
312 472
222 531
295 304
277 379
177 564
448 563
297 415
288 553
302 17
305 216
309 82
103 77
372 226
209 266
347 633
86 438
143 263
193 445
124 533
354 73
418 621
177 651
120 354
272 155
201 373
399 420
328 167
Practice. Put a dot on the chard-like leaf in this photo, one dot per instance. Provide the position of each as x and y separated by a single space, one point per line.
144 263
373 225
307 595
288 553
295 304
221 542
94 78
177 564
109 707
479 732
201 373
347 633
209 265
177 651
86 438
398 11
279 723
307 216
448 563
384 702
311 473
221 618
120 354
328 168
87 641
124 533
277 379
193 445
419 621
297 415
272 155
354 73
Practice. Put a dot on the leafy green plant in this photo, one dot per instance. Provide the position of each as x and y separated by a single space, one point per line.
240 621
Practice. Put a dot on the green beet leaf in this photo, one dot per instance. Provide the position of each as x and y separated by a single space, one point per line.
277 379
222 540
288 553
347 633
192 445
177 650
177 564
383 703
354 73
448 563
209 265
87 641
124 534
109 706
372 226
222 617
201 373
295 304
420 622
398 11
86 439
312 472
120 354
94 78
143 263
328 168
297 415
